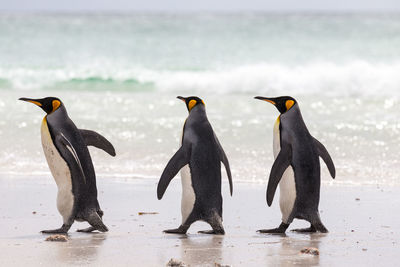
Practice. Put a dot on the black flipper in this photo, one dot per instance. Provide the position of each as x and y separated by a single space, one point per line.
180 159
323 153
68 152
225 161
282 162
97 140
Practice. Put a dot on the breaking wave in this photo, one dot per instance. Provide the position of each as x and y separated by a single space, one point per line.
353 78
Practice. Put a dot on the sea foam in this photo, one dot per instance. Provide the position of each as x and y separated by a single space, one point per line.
352 78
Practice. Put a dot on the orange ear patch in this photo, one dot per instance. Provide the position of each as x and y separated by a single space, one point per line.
56 105
191 104
289 104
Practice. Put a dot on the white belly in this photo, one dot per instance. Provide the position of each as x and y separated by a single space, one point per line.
61 173
188 196
287 184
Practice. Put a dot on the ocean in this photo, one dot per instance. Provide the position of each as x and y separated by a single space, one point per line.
119 74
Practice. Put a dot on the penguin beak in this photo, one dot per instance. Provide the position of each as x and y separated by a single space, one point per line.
181 98
33 101
265 99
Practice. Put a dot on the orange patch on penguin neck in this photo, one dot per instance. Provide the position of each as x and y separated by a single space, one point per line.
289 104
191 104
56 104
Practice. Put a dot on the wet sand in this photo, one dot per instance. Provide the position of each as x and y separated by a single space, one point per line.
362 232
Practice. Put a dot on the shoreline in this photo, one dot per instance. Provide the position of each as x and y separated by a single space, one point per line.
357 237
152 179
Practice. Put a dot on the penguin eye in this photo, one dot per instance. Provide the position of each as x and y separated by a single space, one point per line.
289 104
191 104
56 104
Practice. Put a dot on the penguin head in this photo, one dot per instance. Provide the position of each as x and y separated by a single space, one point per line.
191 101
282 103
48 104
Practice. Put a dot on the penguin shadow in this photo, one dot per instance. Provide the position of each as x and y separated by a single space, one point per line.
80 248
201 250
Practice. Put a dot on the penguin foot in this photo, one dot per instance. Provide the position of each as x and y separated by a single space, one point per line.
86 230
318 227
175 231
62 230
280 230
95 221
212 232
55 231
310 229
272 231
180 230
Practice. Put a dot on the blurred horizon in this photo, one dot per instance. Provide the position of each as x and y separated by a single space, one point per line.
344 54
205 5
200 12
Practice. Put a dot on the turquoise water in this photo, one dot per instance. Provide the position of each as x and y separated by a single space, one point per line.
345 54
120 74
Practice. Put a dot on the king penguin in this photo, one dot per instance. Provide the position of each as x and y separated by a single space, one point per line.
296 168
66 152
199 157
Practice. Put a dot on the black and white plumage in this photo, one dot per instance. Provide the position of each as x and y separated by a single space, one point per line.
66 152
296 168
199 159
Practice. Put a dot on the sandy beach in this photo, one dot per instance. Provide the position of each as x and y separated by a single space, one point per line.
362 221
118 71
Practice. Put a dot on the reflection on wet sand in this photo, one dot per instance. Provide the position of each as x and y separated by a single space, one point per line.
202 249
360 239
82 249
291 246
